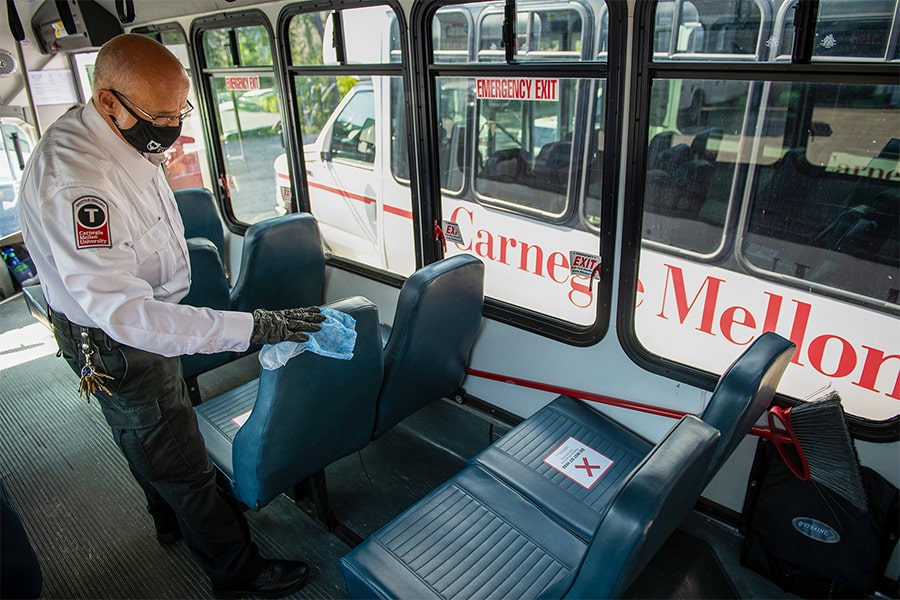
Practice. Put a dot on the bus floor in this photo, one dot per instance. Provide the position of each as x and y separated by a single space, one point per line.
85 517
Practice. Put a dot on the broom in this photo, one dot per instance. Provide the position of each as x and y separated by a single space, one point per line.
817 432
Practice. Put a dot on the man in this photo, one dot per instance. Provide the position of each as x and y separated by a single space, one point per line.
103 229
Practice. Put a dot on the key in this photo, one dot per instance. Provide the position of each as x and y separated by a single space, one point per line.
91 377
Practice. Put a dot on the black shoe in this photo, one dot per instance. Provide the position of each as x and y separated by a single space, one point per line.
168 531
278 578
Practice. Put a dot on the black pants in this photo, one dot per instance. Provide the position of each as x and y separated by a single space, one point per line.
154 424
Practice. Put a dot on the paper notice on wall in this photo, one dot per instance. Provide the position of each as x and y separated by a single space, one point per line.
52 86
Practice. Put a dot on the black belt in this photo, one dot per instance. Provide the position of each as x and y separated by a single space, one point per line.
64 325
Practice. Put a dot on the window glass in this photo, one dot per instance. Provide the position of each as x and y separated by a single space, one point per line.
708 30
249 130
854 29
692 154
524 147
306 42
770 203
356 150
217 48
254 46
553 30
520 155
353 132
825 210
450 35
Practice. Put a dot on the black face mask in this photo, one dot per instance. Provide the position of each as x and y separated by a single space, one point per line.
147 138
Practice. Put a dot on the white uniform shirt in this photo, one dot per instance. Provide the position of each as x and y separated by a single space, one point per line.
103 229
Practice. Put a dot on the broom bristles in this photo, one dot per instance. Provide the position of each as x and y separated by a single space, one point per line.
821 430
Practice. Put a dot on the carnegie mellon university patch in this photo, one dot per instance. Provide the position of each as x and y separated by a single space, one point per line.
91 223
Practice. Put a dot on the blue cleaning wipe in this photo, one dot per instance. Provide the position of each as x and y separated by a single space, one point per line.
336 339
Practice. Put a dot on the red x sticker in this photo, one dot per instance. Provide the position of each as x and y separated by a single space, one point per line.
91 223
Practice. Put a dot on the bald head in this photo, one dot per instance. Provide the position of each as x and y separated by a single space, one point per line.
135 69
133 64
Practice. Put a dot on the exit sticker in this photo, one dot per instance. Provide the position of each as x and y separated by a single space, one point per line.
452 232
585 265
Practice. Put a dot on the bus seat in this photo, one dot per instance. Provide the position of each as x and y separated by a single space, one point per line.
201 218
551 166
509 165
744 390
282 265
36 303
437 319
273 432
474 537
209 288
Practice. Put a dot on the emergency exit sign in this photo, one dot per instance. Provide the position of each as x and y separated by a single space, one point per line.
241 83
516 88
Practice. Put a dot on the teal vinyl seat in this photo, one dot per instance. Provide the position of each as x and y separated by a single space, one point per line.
475 537
282 265
740 398
209 288
435 325
274 432
200 217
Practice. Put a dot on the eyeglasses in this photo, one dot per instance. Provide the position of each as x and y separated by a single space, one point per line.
155 120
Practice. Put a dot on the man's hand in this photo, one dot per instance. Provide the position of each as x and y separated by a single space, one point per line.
288 325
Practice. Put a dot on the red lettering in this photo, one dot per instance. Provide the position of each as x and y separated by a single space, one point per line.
558 260
504 241
798 329
730 318
582 285
640 293
538 259
485 249
712 284
846 361
871 366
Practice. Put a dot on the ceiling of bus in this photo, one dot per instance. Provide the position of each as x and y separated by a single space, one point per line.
147 12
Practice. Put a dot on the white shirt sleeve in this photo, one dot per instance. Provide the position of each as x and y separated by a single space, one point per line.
116 286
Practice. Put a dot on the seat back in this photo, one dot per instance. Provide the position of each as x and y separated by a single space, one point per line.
282 265
201 218
435 325
745 391
309 413
651 503
209 289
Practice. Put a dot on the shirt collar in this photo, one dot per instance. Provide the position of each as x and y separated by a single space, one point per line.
138 168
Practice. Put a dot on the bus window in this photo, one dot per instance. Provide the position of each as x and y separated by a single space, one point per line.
854 29
825 211
450 34
552 33
717 30
771 203
353 133
692 161
239 76
520 153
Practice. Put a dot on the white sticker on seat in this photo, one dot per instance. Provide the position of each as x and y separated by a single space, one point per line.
579 462
241 419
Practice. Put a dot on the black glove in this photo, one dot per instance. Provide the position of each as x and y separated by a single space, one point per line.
288 325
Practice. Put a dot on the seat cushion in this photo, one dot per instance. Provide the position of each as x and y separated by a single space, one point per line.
473 537
220 419
521 459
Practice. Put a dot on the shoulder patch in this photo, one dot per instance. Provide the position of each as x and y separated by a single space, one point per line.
91 223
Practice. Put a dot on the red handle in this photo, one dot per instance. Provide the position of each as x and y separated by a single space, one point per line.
796 462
